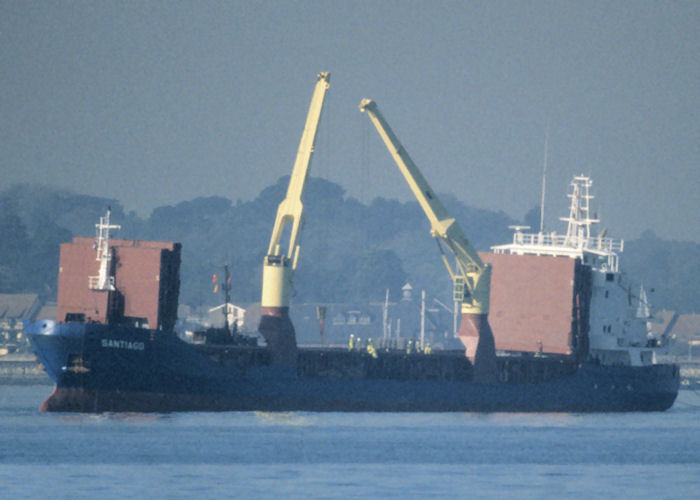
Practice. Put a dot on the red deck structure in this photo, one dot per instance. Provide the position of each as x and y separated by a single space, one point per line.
538 303
146 277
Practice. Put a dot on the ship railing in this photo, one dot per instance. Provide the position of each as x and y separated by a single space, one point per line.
594 243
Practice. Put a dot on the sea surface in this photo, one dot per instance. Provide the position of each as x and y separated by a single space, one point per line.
346 455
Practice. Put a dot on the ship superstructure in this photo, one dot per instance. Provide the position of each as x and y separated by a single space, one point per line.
616 336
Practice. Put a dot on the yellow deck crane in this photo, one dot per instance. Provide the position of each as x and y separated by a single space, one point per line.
470 276
278 268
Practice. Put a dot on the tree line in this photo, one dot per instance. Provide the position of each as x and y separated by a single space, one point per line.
351 252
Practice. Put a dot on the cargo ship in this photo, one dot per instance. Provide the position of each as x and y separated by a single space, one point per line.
548 325
570 342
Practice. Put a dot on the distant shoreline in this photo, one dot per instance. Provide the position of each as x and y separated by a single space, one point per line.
22 369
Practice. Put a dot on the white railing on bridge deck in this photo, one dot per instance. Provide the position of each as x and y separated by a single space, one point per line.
597 244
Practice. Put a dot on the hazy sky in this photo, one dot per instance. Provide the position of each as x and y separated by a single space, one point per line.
154 103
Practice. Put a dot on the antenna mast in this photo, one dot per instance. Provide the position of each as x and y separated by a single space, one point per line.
103 281
544 178
226 287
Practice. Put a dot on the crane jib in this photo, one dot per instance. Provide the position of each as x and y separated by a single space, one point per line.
471 278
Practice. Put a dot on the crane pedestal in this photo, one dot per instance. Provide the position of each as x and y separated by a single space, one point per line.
277 330
477 337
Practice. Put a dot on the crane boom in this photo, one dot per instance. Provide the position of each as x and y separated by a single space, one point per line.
469 270
471 278
291 209
278 269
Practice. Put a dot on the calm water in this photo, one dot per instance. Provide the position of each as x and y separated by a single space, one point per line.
319 455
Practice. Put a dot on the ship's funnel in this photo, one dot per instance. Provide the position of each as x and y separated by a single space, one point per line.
477 337
277 330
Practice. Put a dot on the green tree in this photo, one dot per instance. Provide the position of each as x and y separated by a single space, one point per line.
14 243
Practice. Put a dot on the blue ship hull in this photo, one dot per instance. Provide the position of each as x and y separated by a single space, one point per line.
100 368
